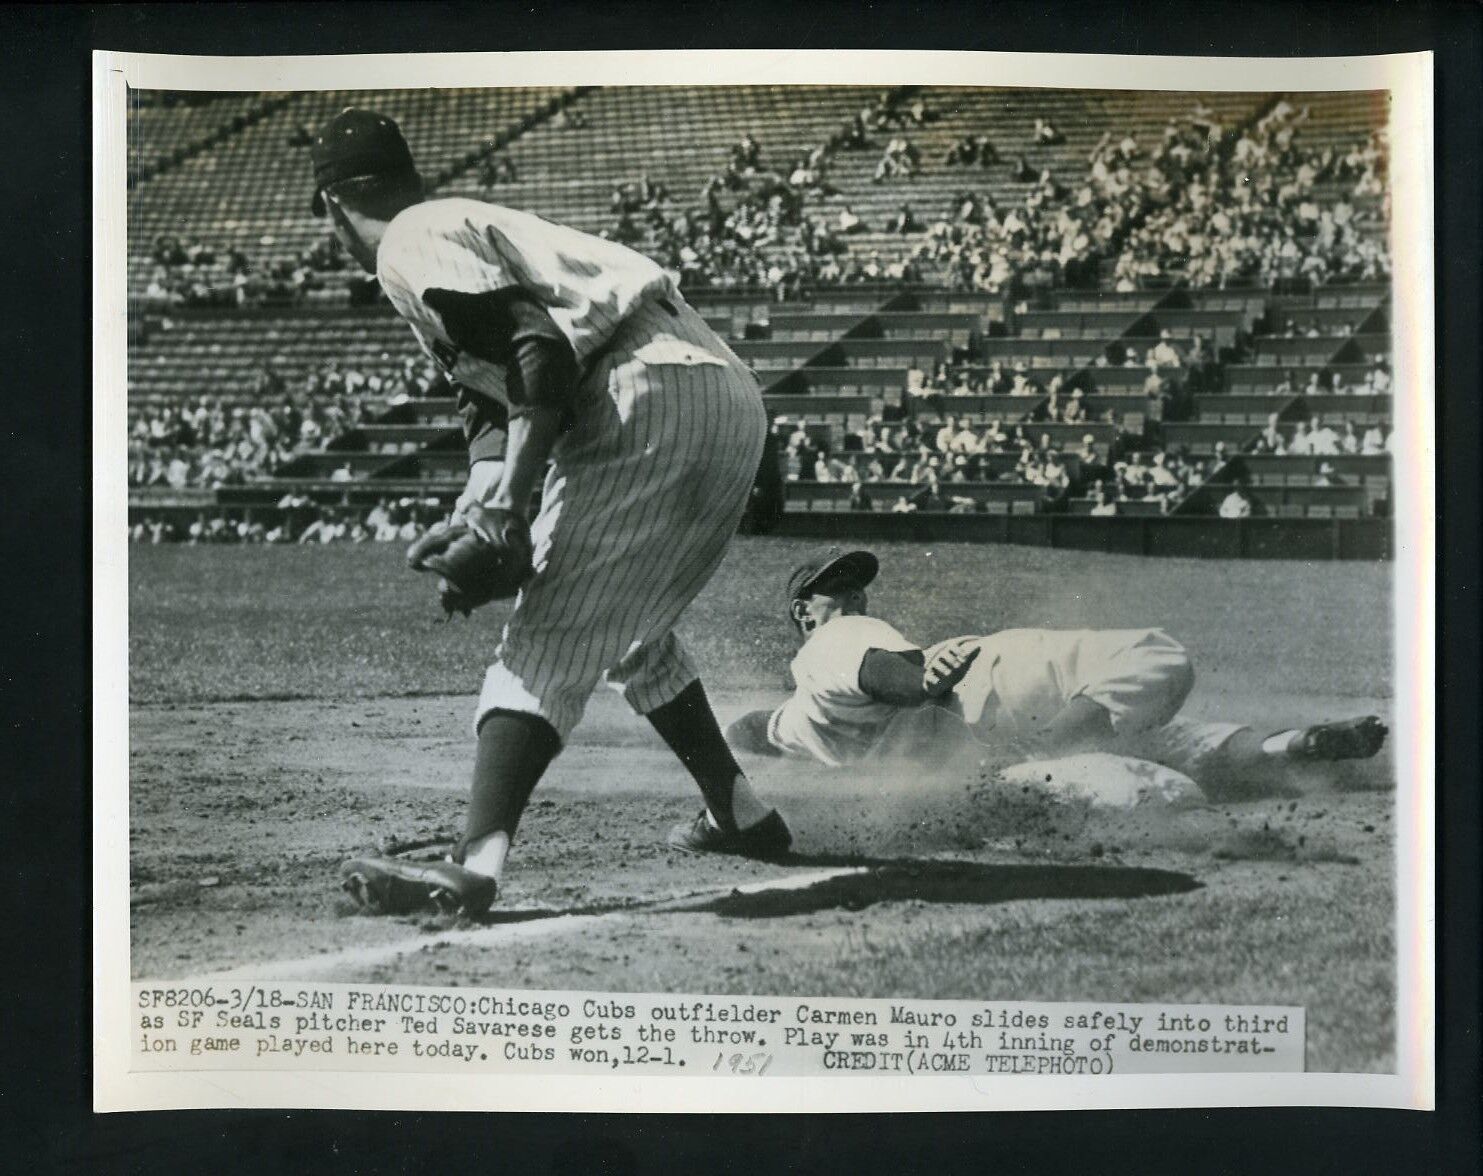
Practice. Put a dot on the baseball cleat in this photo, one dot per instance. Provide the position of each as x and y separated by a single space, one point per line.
388 886
768 838
1350 739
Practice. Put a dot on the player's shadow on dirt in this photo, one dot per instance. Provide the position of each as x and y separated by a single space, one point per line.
968 883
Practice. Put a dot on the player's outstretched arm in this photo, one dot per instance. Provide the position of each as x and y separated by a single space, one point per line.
907 678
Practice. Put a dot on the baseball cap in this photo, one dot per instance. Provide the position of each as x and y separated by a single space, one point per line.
860 567
357 142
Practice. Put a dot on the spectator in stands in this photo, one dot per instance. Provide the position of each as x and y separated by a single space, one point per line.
1135 476
901 160
1052 407
965 440
849 222
1103 506
498 169
1374 441
1163 353
1163 482
1322 440
860 499
1236 504
1327 475
747 153
904 221
1046 135
950 428
925 467
1270 439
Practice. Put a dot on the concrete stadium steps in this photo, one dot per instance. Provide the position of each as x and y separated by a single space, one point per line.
1292 486
402 438
1245 378
806 496
223 352
768 355
678 135
163 135
1299 351
1330 320
324 492
1254 409
1333 117
996 464
252 190
881 382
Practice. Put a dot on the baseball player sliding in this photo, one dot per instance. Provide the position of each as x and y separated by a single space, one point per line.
864 691
574 351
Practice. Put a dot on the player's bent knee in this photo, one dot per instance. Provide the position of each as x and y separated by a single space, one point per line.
1181 676
749 734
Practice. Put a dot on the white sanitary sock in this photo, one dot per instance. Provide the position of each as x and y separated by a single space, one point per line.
486 855
746 809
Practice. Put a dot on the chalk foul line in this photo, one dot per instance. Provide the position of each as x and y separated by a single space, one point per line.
327 965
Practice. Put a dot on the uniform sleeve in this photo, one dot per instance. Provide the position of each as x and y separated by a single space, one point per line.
485 422
829 664
415 258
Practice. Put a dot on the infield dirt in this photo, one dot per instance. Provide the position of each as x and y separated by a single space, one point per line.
294 707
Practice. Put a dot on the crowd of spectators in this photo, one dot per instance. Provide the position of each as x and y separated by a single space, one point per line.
1255 210
1206 203
1315 437
296 519
1212 207
1173 372
1376 382
935 455
751 227
204 443
196 274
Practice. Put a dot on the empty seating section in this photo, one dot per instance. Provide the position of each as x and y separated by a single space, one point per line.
163 134
252 190
679 135
836 362
221 354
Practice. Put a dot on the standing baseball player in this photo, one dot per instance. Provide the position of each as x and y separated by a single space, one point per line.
584 355
864 691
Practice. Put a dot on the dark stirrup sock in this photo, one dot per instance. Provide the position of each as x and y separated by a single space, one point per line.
514 751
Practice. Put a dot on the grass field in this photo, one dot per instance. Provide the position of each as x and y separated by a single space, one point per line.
291 706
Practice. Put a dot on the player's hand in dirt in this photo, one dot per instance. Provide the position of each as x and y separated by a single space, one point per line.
946 667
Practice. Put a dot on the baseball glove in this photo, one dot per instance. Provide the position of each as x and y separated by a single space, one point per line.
482 557
948 666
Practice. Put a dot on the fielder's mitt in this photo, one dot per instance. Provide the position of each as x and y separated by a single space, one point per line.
487 557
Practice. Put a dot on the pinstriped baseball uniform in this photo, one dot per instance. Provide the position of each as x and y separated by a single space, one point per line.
647 486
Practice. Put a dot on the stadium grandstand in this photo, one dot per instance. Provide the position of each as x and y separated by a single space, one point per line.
1137 321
